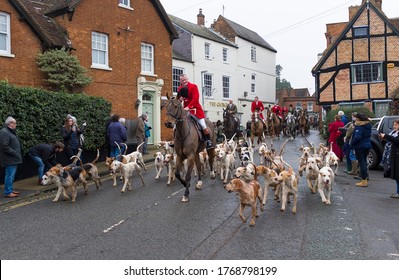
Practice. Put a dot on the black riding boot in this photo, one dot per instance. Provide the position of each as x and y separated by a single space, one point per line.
207 139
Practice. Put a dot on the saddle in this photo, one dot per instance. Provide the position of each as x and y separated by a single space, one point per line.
198 128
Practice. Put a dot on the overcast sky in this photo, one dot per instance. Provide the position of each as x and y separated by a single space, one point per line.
294 28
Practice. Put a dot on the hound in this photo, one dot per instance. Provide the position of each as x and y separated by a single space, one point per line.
303 160
325 184
170 161
135 156
312 173
332 159
90 168
227 164
249 194
289 181
65 181
127 171
158 163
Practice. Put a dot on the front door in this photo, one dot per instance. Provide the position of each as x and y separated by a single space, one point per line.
148 110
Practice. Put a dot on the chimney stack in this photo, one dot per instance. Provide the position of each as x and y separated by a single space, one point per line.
200 18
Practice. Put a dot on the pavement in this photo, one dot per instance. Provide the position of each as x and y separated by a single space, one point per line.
29 187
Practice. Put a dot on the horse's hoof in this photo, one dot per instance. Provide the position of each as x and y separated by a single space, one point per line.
184 199
198 187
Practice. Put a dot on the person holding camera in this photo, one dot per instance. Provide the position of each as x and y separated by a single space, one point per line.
390 159
72 136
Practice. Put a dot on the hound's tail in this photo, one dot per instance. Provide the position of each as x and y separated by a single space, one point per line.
77 158
138 147
97 157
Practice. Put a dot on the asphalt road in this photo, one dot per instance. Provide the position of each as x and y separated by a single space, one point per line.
150 223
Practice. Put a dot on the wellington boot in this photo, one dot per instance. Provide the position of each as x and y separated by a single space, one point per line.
355 168
362 183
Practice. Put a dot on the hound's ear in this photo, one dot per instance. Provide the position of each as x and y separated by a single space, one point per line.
301 148
155 155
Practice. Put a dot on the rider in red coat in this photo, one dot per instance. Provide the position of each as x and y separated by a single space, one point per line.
189 93
257 106
277 110
284 111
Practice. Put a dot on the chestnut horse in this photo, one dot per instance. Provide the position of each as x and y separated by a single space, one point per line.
256 128
188 144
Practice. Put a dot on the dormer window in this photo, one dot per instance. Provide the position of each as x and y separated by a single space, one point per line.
360 31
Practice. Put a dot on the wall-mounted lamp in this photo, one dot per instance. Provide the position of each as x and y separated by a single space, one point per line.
164 101
137 103
245 93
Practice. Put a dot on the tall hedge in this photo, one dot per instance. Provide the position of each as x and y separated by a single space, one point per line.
348 112
40 114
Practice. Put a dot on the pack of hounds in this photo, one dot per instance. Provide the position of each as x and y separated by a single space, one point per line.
315 164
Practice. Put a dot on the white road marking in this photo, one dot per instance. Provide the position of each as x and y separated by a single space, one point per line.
113 226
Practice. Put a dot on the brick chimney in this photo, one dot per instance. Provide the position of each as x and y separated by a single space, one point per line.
353 9
200 18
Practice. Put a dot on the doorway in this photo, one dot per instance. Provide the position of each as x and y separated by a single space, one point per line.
147 109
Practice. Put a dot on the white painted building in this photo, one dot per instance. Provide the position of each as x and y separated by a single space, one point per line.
224 68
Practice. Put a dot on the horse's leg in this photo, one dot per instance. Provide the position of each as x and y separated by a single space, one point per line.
198 186
190 166
179 166
211 159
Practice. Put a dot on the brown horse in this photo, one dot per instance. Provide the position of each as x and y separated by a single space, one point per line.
256 128
303 123
188 144
275 125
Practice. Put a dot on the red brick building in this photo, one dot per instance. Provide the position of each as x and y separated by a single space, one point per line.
300 99
360 66
126 45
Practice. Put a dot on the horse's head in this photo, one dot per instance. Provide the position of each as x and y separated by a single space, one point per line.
174 112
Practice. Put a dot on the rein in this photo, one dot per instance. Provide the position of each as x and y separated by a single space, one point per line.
181 120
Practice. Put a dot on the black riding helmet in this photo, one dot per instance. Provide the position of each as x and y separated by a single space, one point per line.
183 92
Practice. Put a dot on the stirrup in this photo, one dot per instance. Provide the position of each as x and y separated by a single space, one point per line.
209 144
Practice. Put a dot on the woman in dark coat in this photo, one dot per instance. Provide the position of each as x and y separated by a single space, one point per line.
361 143
392 164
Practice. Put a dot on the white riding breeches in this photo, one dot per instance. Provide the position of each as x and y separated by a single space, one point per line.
200 121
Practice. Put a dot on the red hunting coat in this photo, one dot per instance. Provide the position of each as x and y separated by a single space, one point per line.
258 105
192 101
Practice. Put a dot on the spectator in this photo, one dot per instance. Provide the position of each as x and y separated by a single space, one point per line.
344 118
351 162
45 156
219 131
390 159
71 134
10 155
361 143
140 131
333 129
117 135
147 135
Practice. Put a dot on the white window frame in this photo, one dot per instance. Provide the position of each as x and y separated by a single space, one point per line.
147 55
253 53
207 50
310 107
125 4
225 52
253 83
7 33
101 48
208 85
359 75
226 86
176 73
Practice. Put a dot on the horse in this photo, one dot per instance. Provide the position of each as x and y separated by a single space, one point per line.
303 124
231 125
290 126
188 144
274 125
256 128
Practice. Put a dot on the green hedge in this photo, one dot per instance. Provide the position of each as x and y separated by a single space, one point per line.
348 112
40 114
